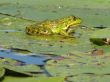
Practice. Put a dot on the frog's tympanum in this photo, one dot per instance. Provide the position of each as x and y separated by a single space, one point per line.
62 26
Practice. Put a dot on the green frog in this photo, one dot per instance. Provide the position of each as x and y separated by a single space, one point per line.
63 26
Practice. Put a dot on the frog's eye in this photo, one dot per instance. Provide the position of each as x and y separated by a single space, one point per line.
74 18
45 31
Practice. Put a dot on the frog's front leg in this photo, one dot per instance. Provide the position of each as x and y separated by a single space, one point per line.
64 33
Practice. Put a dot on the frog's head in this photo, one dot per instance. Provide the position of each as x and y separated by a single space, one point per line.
71 21
68 23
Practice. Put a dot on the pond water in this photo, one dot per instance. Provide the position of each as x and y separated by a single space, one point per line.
32 59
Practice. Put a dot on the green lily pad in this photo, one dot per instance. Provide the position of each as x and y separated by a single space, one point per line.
89 78
31 79
77 64
2 72
99 36
102 33
13 65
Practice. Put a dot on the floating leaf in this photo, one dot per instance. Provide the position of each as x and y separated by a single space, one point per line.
2 72
99 37
17 66
31 79
89 78
77 64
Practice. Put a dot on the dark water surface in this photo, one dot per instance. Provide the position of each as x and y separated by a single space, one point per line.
38 60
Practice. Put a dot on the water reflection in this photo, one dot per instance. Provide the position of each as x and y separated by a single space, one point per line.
27 59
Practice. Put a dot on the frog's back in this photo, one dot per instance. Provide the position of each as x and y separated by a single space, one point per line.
39 28
59 26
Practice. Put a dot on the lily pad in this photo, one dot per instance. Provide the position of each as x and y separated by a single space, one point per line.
77 64
19 67
2 72
89 78
99 37
31 79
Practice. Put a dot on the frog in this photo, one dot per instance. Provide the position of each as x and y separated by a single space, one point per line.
64 26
